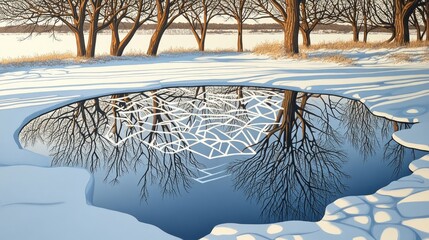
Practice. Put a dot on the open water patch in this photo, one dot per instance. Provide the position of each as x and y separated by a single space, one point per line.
187 159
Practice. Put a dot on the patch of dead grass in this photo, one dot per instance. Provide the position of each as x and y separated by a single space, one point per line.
37 59
276 50
401 57
182 50
347 45
334 58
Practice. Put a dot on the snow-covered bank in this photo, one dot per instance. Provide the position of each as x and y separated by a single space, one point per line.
397 211
399 92
33 206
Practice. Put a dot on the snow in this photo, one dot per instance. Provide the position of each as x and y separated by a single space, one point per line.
65 42
38 208
53 202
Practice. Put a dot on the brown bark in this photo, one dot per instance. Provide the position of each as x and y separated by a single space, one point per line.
114 42
118 46
80 44
92 39
291 27
416 24
392 37
355 29
403 12
306 40
163 21
201 39
365 24
304 27
240 36
156 39
427 20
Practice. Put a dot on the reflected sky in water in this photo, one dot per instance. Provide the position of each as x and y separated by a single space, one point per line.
186 159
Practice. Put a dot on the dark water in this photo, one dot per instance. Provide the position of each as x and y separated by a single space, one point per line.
187 159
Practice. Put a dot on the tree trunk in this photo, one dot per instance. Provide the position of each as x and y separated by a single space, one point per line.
304 27
117 46
92 37
80 44
365 30
240 36
291 27
201 44
289 108
392 37
402 36
306 40
427 20
365 5
402 16
355 32
419 35
114 43
156 39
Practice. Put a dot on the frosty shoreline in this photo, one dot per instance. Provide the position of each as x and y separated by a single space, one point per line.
34 196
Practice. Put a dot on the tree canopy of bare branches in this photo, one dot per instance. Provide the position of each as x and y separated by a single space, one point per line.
314 12
136 12
240 11
166 12
199 16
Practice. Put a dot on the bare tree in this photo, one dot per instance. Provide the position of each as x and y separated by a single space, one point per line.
367 15
136 12
49 14
286 14
199 16
427 19
166 12
383 16
419 20
100 16
350 11
403 11
74 14
240 11
314 12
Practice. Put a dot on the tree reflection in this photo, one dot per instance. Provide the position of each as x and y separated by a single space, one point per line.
295 158
362 131
81 134
297 165
394 153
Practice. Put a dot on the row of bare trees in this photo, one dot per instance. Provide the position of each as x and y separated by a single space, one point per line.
86 18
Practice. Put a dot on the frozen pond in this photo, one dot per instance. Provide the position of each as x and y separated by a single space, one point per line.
187 159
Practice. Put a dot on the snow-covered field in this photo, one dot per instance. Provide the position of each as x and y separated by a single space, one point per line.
65 42
38 202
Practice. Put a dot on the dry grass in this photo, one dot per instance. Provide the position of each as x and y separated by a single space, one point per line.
181 50
276 50
272 49
335 58
347 45
38 59
401 57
